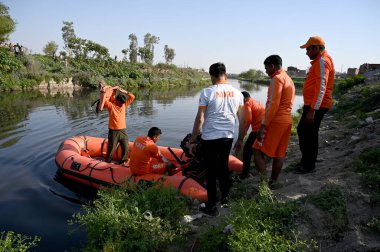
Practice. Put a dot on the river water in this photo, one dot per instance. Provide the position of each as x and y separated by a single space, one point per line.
33 200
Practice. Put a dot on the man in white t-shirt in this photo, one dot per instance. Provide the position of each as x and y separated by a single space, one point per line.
219 105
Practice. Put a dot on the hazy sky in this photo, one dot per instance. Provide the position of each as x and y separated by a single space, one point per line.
240 33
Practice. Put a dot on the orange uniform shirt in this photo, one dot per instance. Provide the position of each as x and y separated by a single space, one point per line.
281 92
254 112
116 113
143 153
318 85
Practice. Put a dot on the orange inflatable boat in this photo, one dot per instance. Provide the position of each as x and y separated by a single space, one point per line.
81 158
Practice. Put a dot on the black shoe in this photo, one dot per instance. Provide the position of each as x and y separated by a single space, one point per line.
210 211
243 176
303 170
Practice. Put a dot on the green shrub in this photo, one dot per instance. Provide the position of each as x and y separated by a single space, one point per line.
12 242
342 86
143 219
8 62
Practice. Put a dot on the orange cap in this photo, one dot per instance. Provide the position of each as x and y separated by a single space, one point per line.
313 41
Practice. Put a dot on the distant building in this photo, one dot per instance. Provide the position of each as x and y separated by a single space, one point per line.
368 67
351 72
295 72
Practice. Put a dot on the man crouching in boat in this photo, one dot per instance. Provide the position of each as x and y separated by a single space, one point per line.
146 157
117 124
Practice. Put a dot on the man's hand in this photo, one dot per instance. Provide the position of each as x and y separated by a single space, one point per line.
261 134
309 119
193 148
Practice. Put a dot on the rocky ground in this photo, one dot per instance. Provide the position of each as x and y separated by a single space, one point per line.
340 144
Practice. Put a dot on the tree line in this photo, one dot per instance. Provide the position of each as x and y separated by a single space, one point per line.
80 48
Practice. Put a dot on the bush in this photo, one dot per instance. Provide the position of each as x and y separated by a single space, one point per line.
8 62
342 86
12 242
143 219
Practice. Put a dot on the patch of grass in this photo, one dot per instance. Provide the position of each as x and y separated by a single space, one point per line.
12 242
374 225
368 166
291 167
360 100
142 219
331 200
262 224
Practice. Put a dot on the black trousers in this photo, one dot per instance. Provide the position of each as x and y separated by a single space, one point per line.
308 137
216 154
248 151
115 137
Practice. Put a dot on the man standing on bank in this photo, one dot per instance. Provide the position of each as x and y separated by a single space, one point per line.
317 95
254 112
274 133
219 105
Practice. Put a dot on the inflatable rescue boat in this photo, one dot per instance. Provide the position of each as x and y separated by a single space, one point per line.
81 159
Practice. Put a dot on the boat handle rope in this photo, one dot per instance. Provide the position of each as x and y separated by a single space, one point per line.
72 139
181 184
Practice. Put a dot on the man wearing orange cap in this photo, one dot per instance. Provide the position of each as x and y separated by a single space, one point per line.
317 96
274 133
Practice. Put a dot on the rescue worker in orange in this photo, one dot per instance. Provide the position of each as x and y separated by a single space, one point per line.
146 157
274 132
116 107
254 112
317 95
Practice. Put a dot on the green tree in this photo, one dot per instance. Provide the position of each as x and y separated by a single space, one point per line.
133 51
7 24
169 54
125 52
252 74
147 52
50 48
68 34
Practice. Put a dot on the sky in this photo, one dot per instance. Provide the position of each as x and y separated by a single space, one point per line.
240 33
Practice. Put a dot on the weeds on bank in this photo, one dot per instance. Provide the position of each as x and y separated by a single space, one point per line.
143 219
12 242
262 224
368 166
373 225
360 101
331 200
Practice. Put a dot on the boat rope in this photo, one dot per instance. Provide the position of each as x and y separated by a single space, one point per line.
72 139
182 183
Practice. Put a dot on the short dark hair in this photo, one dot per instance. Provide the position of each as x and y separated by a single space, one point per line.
246 94
217 69
273 60
121 97
154 131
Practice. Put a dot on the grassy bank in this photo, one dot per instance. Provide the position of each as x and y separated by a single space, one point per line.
27 72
